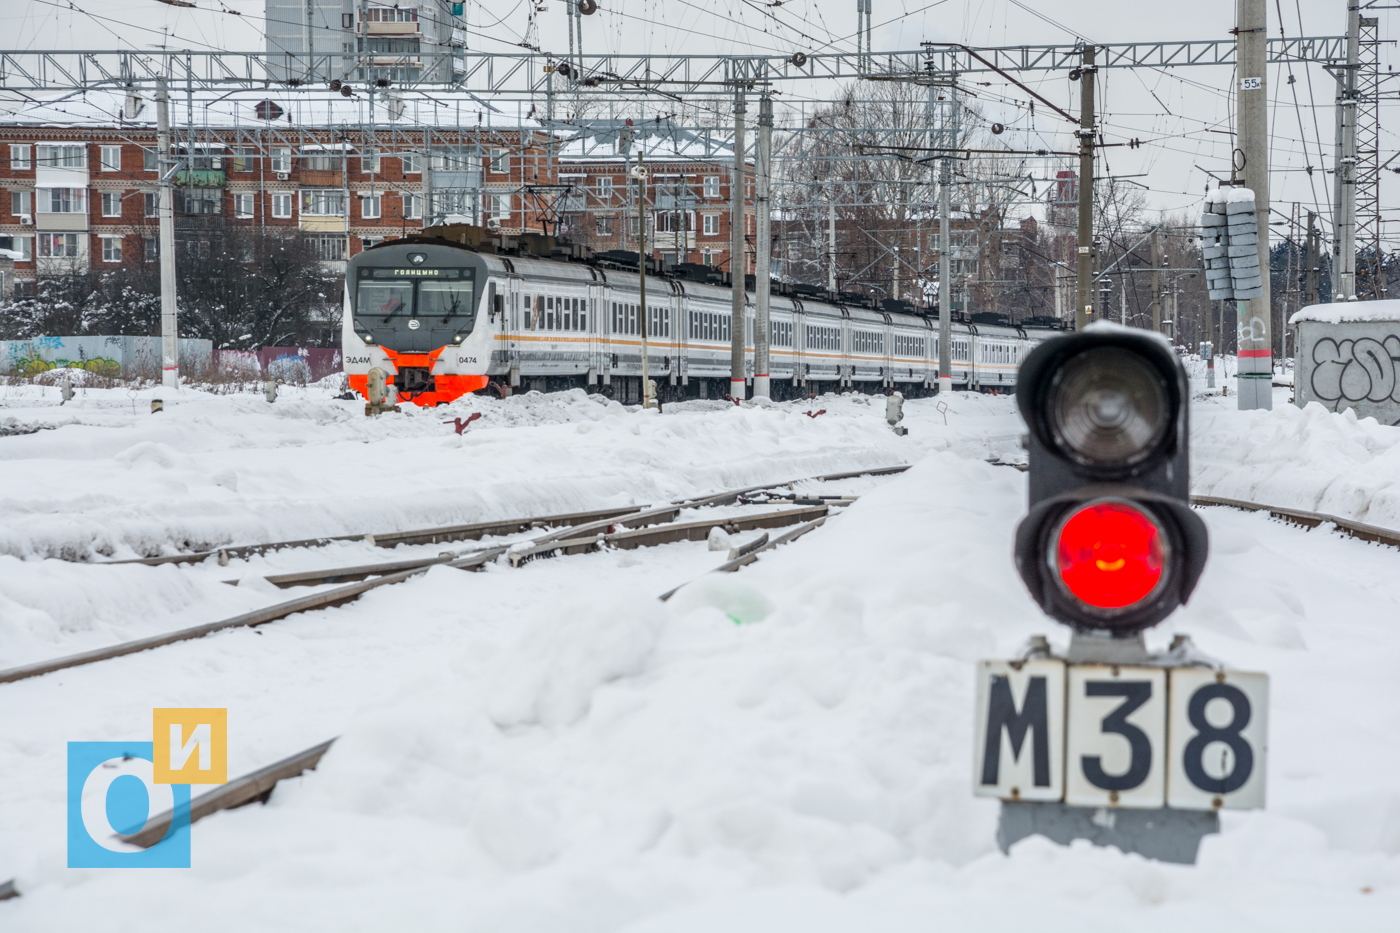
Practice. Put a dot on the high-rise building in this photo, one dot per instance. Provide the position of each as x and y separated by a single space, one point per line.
315 41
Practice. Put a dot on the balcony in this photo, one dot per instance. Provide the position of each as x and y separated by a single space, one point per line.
200 178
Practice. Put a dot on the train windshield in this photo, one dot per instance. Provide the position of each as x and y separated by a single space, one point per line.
385 299
444 300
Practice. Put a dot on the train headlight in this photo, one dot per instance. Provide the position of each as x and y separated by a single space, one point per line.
457 338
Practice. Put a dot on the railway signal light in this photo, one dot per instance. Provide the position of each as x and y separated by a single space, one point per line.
1110 542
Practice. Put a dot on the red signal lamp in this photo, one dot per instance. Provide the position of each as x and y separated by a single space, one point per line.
1109 555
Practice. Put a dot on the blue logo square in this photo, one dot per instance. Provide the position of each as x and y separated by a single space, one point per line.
121 798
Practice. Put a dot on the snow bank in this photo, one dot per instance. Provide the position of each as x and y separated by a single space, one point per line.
1340 312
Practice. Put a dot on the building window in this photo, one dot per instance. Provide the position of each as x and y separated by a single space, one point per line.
379 14
61 156
152 204
369 206
22 203
152 248
19 159
111 249
58 245
24 245
322 202
320 161
369 162
711 224
500 207
111 204
111 158
605 226
243 206
150 160
368 241
329 248
604 186
711 186
707 257
282 204
63 200
281 161
412 206
242 160
499 162
412 163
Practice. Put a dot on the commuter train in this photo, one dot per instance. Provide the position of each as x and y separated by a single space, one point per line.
441 317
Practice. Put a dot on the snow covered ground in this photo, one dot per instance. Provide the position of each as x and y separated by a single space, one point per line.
551 748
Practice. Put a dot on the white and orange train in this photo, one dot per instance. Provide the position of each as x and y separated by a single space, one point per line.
441 319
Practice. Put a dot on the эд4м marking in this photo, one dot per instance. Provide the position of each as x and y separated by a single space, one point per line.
1111 742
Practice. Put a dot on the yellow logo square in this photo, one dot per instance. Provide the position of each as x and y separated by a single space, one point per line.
190 745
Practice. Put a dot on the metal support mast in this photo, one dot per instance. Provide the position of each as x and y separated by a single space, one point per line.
736 254
169 332
1314 262
763 246
1084 305
1255 361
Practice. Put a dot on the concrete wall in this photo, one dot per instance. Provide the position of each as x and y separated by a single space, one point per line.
110 356
1351 364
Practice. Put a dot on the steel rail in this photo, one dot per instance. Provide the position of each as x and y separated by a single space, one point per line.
350 592
1354 529
440 535
478 530
687 531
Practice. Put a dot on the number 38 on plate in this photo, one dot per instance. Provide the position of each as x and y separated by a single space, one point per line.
1099 735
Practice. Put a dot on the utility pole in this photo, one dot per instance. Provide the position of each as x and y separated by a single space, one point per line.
345 188
648 401
169 333
945 276
1084 306
763 246
1255 366
736 254
831 241
1314 261
427 177
1157 281
1344 178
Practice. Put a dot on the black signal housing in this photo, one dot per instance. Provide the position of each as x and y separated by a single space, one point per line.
1107 418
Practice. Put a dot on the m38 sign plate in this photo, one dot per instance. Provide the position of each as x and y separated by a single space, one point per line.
1102 735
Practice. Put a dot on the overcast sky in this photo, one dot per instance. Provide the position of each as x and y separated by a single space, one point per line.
1185 112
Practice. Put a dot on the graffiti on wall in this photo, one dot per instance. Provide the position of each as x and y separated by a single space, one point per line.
1356 370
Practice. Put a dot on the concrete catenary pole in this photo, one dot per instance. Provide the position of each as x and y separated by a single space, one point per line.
1255 364
736 254
1157 281
169 324
647 400
945 276
1344 176
831 241
1314 261
427 176
1084 303
763 246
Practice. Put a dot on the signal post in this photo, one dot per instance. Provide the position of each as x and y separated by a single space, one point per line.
1109 741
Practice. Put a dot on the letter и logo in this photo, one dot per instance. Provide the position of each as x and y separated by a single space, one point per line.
191 745
112 792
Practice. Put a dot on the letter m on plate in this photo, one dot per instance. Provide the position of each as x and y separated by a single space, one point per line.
1019 734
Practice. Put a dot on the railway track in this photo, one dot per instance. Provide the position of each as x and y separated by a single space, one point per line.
258 785
622 528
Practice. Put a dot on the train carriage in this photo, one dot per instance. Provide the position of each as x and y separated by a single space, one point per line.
442 319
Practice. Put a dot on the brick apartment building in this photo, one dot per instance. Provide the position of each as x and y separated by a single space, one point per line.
87 197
